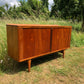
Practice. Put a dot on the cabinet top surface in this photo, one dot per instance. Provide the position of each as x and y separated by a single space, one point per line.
37 26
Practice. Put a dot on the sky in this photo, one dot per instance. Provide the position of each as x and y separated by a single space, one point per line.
51 2
9 2
16 2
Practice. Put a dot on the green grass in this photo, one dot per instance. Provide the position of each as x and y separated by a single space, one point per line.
50 71
37 68
77 38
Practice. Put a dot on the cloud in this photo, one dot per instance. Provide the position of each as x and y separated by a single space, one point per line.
9 2
51 3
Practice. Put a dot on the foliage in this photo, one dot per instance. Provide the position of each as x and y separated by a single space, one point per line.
67 9
45 3
26 9
77 39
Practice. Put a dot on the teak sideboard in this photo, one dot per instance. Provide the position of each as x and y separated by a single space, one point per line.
27 41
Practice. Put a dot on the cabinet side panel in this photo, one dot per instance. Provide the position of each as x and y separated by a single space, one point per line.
36 42
12 42
20 41
61 38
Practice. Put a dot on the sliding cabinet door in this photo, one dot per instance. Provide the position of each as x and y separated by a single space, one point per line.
60 38
36 42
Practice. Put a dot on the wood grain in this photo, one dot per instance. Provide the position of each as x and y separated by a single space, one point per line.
20 43
36 41
29 65
12 42
60 38
37 26
42 54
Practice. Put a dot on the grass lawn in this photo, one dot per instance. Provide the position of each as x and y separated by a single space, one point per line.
50 69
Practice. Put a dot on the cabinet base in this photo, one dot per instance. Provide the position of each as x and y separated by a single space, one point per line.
29 61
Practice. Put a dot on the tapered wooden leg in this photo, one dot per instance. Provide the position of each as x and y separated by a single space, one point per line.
29 65
63 53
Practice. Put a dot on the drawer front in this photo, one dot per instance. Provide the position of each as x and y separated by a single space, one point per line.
35 42
60 38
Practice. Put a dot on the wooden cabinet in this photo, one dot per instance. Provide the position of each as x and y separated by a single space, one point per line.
26 42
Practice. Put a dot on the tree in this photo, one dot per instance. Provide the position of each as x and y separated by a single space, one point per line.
37 7
45 3
54 9
7 6
2 11
25 7
30 8
35 4
66 9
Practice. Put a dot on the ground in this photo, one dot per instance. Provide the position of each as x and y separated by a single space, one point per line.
49 69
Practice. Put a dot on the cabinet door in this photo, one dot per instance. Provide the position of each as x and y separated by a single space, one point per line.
36 42
60 38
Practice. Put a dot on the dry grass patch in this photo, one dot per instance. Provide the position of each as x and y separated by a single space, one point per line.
50 69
